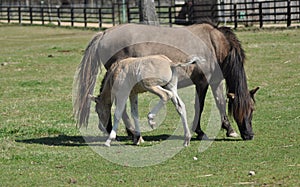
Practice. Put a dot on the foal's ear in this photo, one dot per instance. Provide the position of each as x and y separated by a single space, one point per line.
253 91
231 95
93 98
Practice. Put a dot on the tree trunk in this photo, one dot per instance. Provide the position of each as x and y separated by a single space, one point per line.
149 15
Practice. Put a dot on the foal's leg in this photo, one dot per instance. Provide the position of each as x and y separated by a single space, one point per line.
164 97
180 106
120 105
218 93
135 115
127 122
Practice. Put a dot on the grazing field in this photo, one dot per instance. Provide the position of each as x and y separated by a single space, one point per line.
41 146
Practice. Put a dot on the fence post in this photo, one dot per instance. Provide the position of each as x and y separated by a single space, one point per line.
8 14
170 16
119 12
260 15
19 14
235 16
100 17
42 15
72 16
141 11
128 12
289 13
30 14
84 16
113 14
58 16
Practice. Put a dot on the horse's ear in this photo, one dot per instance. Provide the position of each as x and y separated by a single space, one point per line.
231 95
93 98
253 91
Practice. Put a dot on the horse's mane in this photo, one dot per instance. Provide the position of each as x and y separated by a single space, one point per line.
107 76
235 76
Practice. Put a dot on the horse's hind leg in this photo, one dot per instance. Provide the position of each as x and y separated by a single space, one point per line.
201 89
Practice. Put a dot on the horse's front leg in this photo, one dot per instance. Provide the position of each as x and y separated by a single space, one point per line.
129 127
217 89
135 115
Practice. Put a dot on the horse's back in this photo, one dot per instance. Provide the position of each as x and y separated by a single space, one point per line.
139 40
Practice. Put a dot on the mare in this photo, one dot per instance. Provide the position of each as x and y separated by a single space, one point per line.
126 78
219 46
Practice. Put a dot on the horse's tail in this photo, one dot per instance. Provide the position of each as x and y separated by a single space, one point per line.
234 73
84 81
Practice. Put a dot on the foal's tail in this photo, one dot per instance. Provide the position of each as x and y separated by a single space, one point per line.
84 81
190 60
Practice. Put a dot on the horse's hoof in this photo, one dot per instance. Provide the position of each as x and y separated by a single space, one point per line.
232 134
118 138
137 140
202 137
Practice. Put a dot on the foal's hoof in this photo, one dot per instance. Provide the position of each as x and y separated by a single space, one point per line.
107 144
186 143
151 121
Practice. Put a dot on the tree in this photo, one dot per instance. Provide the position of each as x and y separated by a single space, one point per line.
148 12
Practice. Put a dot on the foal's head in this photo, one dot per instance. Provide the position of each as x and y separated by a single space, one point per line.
103 110
242 110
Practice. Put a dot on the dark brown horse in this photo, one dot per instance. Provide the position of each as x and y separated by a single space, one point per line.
219 47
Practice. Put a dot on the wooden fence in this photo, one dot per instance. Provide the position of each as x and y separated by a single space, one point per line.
237 14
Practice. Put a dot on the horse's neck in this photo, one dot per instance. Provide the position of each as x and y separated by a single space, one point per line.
106 94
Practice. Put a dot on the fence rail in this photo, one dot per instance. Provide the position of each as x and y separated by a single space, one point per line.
237 14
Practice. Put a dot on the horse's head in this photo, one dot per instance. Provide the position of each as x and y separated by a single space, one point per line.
242 110
103 110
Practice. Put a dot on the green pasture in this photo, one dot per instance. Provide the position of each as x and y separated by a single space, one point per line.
41 146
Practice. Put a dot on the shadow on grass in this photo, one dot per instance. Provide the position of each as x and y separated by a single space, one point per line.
64 140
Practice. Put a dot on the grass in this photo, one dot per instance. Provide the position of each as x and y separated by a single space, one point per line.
40 145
